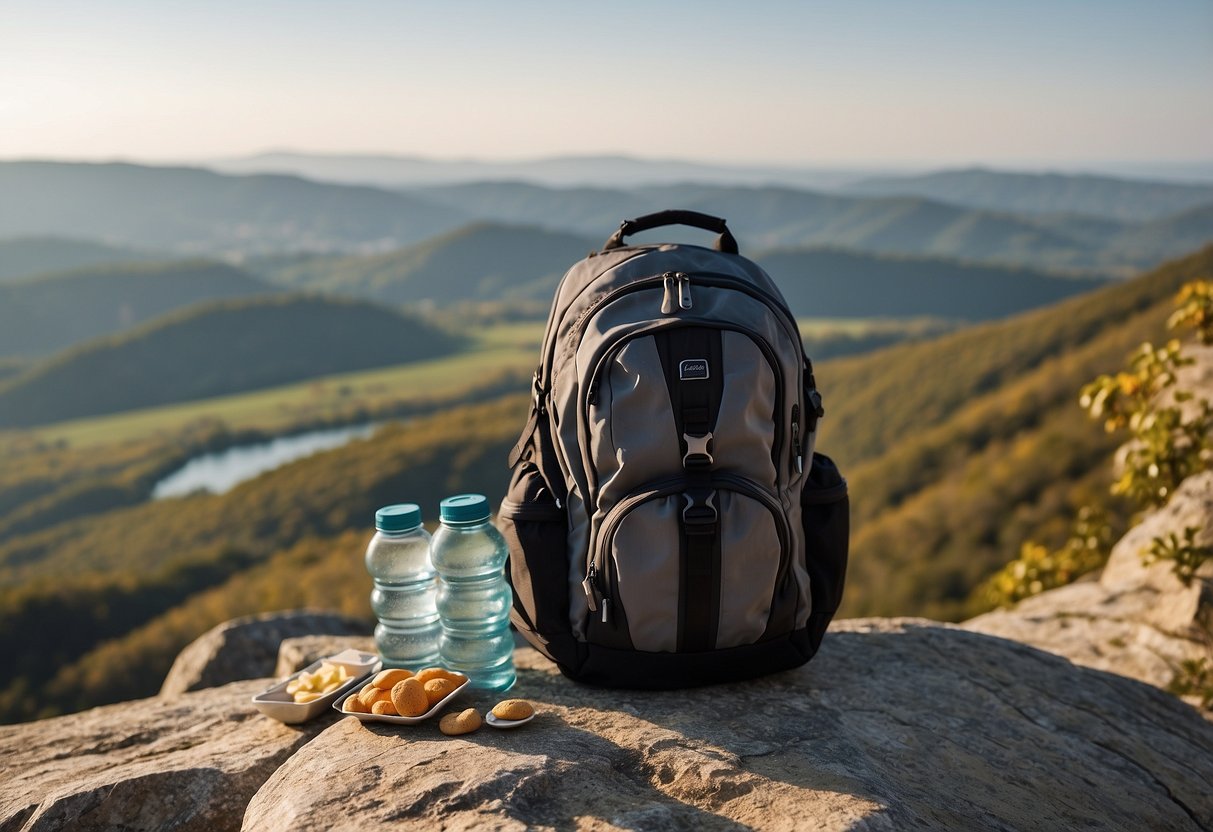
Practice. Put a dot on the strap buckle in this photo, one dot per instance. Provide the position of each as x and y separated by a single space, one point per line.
697 455
699 515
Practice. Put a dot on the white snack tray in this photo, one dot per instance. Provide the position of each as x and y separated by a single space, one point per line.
275 702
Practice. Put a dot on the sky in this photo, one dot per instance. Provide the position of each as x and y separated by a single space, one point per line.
805 83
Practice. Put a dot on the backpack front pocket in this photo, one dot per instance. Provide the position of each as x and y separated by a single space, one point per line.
675 569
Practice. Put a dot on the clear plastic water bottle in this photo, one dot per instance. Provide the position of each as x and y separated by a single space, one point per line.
405 595
473 598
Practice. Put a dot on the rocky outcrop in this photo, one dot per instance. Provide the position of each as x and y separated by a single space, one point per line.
1134 620
247 648
897 724
192 763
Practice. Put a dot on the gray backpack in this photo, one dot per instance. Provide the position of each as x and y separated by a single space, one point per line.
669 523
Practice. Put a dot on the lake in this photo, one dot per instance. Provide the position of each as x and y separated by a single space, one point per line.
224 470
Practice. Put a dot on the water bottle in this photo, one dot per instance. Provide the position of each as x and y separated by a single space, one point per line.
473 598
404 597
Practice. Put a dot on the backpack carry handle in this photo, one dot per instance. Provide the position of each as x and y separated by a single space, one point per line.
725 242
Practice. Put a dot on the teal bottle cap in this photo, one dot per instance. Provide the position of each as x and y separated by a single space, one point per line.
464 508
401 517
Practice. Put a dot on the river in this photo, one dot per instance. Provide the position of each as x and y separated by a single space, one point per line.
223 470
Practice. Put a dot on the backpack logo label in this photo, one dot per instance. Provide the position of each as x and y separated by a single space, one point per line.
693 369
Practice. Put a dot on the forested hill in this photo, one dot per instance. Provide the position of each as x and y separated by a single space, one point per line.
960 448
47 313
217 349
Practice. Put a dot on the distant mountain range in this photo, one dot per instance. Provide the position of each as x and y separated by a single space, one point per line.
199 211
192 210
47 313
215 349
1044 193
562 171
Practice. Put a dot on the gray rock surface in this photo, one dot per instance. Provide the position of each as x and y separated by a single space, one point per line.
247 648
192 763
1135 620
897 724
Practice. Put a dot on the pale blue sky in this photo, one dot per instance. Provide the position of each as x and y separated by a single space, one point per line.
780 82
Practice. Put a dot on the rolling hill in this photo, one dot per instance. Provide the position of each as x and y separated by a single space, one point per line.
194 210
51 312
1127 200
216 349
198 211
845 284
781 217
27 256
491 262
483 261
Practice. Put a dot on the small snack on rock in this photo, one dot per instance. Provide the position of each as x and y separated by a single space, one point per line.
438 689
512 709
384 708
464 722
387 679
408 696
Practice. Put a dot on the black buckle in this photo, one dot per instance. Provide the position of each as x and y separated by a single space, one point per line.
699 515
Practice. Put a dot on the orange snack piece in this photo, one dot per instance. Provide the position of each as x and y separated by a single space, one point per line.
409 697
387 679
464 722
513 709
384 707
429 673
436 689
370 694
353 705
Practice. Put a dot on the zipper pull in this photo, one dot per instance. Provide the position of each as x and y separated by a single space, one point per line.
591 578
797 455
667 301
684 290
606 610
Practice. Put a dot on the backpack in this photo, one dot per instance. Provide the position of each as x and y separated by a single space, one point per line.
669 523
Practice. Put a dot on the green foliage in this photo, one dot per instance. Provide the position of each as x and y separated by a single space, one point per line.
1194 677
1195 310
218 349
1169 441
1037 569
1183 552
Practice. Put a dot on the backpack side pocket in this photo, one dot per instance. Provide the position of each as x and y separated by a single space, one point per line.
536 530
826 515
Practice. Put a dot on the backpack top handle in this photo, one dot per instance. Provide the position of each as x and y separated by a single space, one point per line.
725 242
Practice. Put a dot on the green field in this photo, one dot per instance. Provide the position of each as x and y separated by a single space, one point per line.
333 398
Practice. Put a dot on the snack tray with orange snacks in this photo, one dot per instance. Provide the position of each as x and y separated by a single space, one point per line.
434 708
